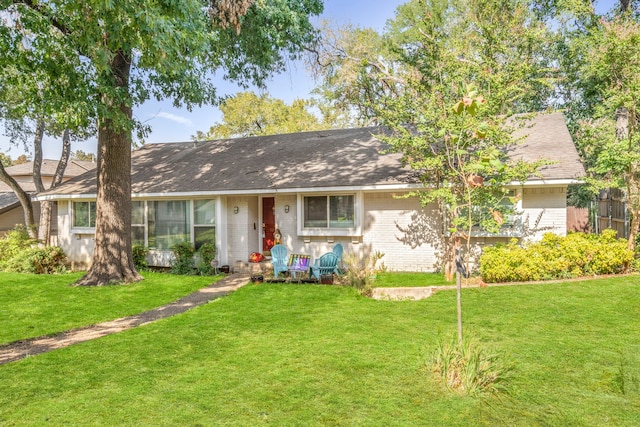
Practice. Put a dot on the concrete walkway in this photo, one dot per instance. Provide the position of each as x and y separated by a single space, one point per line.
20 349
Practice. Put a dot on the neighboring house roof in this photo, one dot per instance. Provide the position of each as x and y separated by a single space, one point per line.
333 159
8 199
48 168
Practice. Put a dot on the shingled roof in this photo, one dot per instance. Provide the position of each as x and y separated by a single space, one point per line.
8 199
49 166
320 159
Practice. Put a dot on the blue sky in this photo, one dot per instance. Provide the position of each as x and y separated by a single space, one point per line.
169 124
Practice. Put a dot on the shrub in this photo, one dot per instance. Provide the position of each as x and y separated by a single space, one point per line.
140 253
15 241
42 260
20 253
360 273
206 254
556 257
183 258
467 368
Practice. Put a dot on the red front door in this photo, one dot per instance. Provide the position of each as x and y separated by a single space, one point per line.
268 222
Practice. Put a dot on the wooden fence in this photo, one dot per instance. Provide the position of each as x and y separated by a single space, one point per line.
578 219
612 212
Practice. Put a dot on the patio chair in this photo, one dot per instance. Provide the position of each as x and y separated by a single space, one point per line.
326 264
279 259
338 250
299 263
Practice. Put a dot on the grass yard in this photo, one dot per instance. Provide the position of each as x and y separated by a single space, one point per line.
34 305
407 280
301 355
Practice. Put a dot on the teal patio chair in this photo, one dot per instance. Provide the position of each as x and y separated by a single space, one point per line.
338 250
326 264
279 259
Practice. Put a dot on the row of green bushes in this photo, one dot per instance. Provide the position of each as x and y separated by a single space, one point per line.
186 260
19 253
555 257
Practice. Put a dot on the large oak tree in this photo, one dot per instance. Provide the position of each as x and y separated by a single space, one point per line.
127 52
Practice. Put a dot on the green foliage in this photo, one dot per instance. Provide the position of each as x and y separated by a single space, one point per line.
600 55
140 253
467 368
182 262
21 254
5 160
105 58
361 272
247 114
82 156
206 254
555 257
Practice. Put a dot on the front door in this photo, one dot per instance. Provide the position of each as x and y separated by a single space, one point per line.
268 223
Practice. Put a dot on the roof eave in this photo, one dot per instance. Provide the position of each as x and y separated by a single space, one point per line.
368 188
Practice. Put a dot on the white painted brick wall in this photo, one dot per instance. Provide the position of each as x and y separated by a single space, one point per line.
408 235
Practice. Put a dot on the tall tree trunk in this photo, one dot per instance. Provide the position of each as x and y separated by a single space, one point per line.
44 230
24 199
112 258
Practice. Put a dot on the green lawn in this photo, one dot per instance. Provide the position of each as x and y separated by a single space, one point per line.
36 305
405 280
301 355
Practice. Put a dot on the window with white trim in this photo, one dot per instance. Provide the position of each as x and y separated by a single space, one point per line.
511 223
160 224
137 223
84 214
329 212
168 223
204 222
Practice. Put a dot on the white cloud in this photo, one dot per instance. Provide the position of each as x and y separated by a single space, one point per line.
175 118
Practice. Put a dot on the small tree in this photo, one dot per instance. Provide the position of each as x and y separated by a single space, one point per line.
459 154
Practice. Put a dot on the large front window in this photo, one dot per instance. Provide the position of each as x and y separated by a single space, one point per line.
329 211
160 224
168 223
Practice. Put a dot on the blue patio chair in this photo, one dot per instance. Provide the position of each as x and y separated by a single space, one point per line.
338 250
326 264
279 259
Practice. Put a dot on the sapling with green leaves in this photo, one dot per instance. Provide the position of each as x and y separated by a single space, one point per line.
459 151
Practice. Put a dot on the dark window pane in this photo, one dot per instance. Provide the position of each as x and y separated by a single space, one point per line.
315 211
137 235
137 212
204 235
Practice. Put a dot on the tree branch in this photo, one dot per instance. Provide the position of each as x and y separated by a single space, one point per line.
46 12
